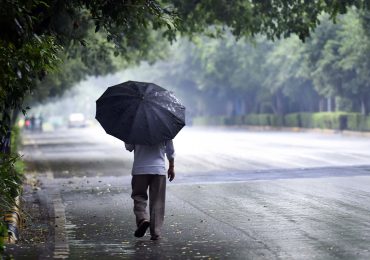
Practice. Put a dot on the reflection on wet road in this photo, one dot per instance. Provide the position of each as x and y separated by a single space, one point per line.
238 195
91 152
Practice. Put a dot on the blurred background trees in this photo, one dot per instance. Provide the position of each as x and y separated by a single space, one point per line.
329 72
49 46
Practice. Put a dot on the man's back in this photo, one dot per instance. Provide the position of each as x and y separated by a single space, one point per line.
150 159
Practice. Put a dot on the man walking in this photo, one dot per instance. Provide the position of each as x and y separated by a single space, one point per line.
149 171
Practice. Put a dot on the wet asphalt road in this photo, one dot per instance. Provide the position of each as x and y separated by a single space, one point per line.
237 195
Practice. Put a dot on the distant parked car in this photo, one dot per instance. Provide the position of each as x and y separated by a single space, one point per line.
76 120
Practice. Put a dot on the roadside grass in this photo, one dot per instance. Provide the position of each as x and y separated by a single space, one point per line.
11 180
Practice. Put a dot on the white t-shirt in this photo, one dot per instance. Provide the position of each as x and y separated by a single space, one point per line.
150 159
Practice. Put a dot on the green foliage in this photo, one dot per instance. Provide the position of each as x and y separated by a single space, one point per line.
211 120
293 120
11 178
93 32
3 234
47 46
306 120
37 35
275 19
11 173
328 120
128 29
358 122
15 139
337 58
20 68
263 120
258 119
323 120
277 120
282 77
10 181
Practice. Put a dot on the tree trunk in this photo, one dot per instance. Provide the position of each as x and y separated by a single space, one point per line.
321 105
364 106
14 117
5 132
329 105
279 103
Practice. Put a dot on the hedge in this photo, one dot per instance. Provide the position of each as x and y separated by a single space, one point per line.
323 120
11 179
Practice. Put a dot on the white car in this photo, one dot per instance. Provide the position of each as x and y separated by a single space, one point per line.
76 120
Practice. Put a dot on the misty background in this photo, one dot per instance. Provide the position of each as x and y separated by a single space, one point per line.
231 77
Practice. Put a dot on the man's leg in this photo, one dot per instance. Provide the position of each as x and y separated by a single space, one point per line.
139 184
157 196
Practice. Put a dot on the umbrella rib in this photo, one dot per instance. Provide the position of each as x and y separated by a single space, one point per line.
161 107
118 95
164 109
135 119
160 118
147 119
122 119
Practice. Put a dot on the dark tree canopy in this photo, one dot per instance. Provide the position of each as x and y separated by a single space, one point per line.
39 38
275 19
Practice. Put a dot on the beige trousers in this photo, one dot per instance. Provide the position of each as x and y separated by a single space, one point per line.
157 196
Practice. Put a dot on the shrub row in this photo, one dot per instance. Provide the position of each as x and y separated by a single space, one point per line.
323 120
11 179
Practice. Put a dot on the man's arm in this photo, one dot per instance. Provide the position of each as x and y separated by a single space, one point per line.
170 153
171 169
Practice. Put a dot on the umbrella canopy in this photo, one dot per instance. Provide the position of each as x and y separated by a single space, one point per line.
140 113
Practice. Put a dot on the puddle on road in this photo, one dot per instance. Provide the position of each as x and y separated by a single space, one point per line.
131 248
83 248
80 168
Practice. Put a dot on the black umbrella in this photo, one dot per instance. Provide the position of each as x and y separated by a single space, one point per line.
140 113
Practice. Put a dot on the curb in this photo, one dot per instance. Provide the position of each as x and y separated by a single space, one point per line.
13 221
290 129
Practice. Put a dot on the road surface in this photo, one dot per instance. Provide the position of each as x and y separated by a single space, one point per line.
237 195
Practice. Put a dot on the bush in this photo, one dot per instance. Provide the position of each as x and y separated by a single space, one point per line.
264 119
239 120
211 120
251 119
323 120
15 139
365 123
353 121
330 120
11 179
358 122
276 121
306 120
293 120
3 233
258 119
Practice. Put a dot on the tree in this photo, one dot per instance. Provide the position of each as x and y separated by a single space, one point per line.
354 63
337 57
286 78
35 31
37 35
275 19
320 60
